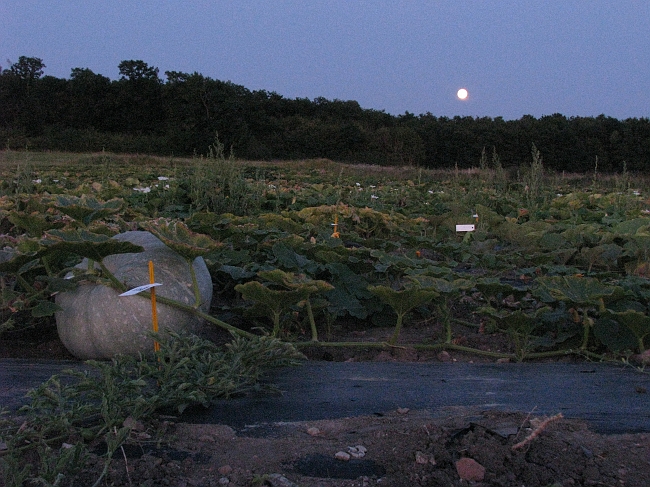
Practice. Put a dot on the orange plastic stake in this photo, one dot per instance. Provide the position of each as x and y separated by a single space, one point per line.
336 233
154 312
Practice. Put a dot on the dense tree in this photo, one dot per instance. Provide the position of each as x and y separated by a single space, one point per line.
92 99
28 69
140 112
139 98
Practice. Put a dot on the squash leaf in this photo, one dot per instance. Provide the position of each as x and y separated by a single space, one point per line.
578 290
86 244
180 238
87 209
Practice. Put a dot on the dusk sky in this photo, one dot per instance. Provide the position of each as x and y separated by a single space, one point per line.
574 57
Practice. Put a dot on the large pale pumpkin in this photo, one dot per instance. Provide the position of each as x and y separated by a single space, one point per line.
96 323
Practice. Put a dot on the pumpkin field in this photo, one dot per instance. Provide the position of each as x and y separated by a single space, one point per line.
327 261
556 264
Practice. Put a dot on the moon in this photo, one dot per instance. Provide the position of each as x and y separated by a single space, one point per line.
462 94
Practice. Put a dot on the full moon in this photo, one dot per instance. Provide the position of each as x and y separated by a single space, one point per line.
462 93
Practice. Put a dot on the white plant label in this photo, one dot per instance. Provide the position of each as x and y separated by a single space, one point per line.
464 228
139 289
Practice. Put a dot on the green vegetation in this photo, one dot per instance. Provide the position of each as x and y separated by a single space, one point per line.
107 405
551 242
557 265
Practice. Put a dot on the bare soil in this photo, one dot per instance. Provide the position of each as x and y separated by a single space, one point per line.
400 448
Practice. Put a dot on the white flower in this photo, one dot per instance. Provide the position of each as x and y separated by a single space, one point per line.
36 181
358 184
430 191
163 178
374 197
142 190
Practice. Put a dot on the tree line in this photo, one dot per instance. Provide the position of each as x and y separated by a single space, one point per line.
142 113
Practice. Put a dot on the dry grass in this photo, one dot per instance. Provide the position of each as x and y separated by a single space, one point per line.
12 162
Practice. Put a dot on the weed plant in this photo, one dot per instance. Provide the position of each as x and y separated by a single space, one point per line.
534 179
49 442
218 184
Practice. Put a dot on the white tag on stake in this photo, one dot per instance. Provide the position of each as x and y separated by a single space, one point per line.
465 228
139 289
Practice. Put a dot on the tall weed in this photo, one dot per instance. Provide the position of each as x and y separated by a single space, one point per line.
218 184
534 178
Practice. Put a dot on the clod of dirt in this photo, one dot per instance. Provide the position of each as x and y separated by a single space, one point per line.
423 458
358 451
343 456
313 431
469 469
444 356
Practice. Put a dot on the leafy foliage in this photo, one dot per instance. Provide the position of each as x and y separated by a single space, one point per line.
86 209
402 302
109 399
394 228
86 244
180 238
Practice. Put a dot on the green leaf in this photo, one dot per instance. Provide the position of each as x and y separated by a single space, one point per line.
87 209
342 302
298 282
15 261
521 322
405 300
350 293
45 308
444 286
86 244
578 290
605 255
614 335
57 284
276 300
289 259
637 322
630 227
552 241
35 224
492 287
402 302
237 273
28 266
180 238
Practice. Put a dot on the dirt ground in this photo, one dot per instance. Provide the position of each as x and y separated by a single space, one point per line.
397 448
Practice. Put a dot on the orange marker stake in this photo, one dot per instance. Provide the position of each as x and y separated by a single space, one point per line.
336 233
154 312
